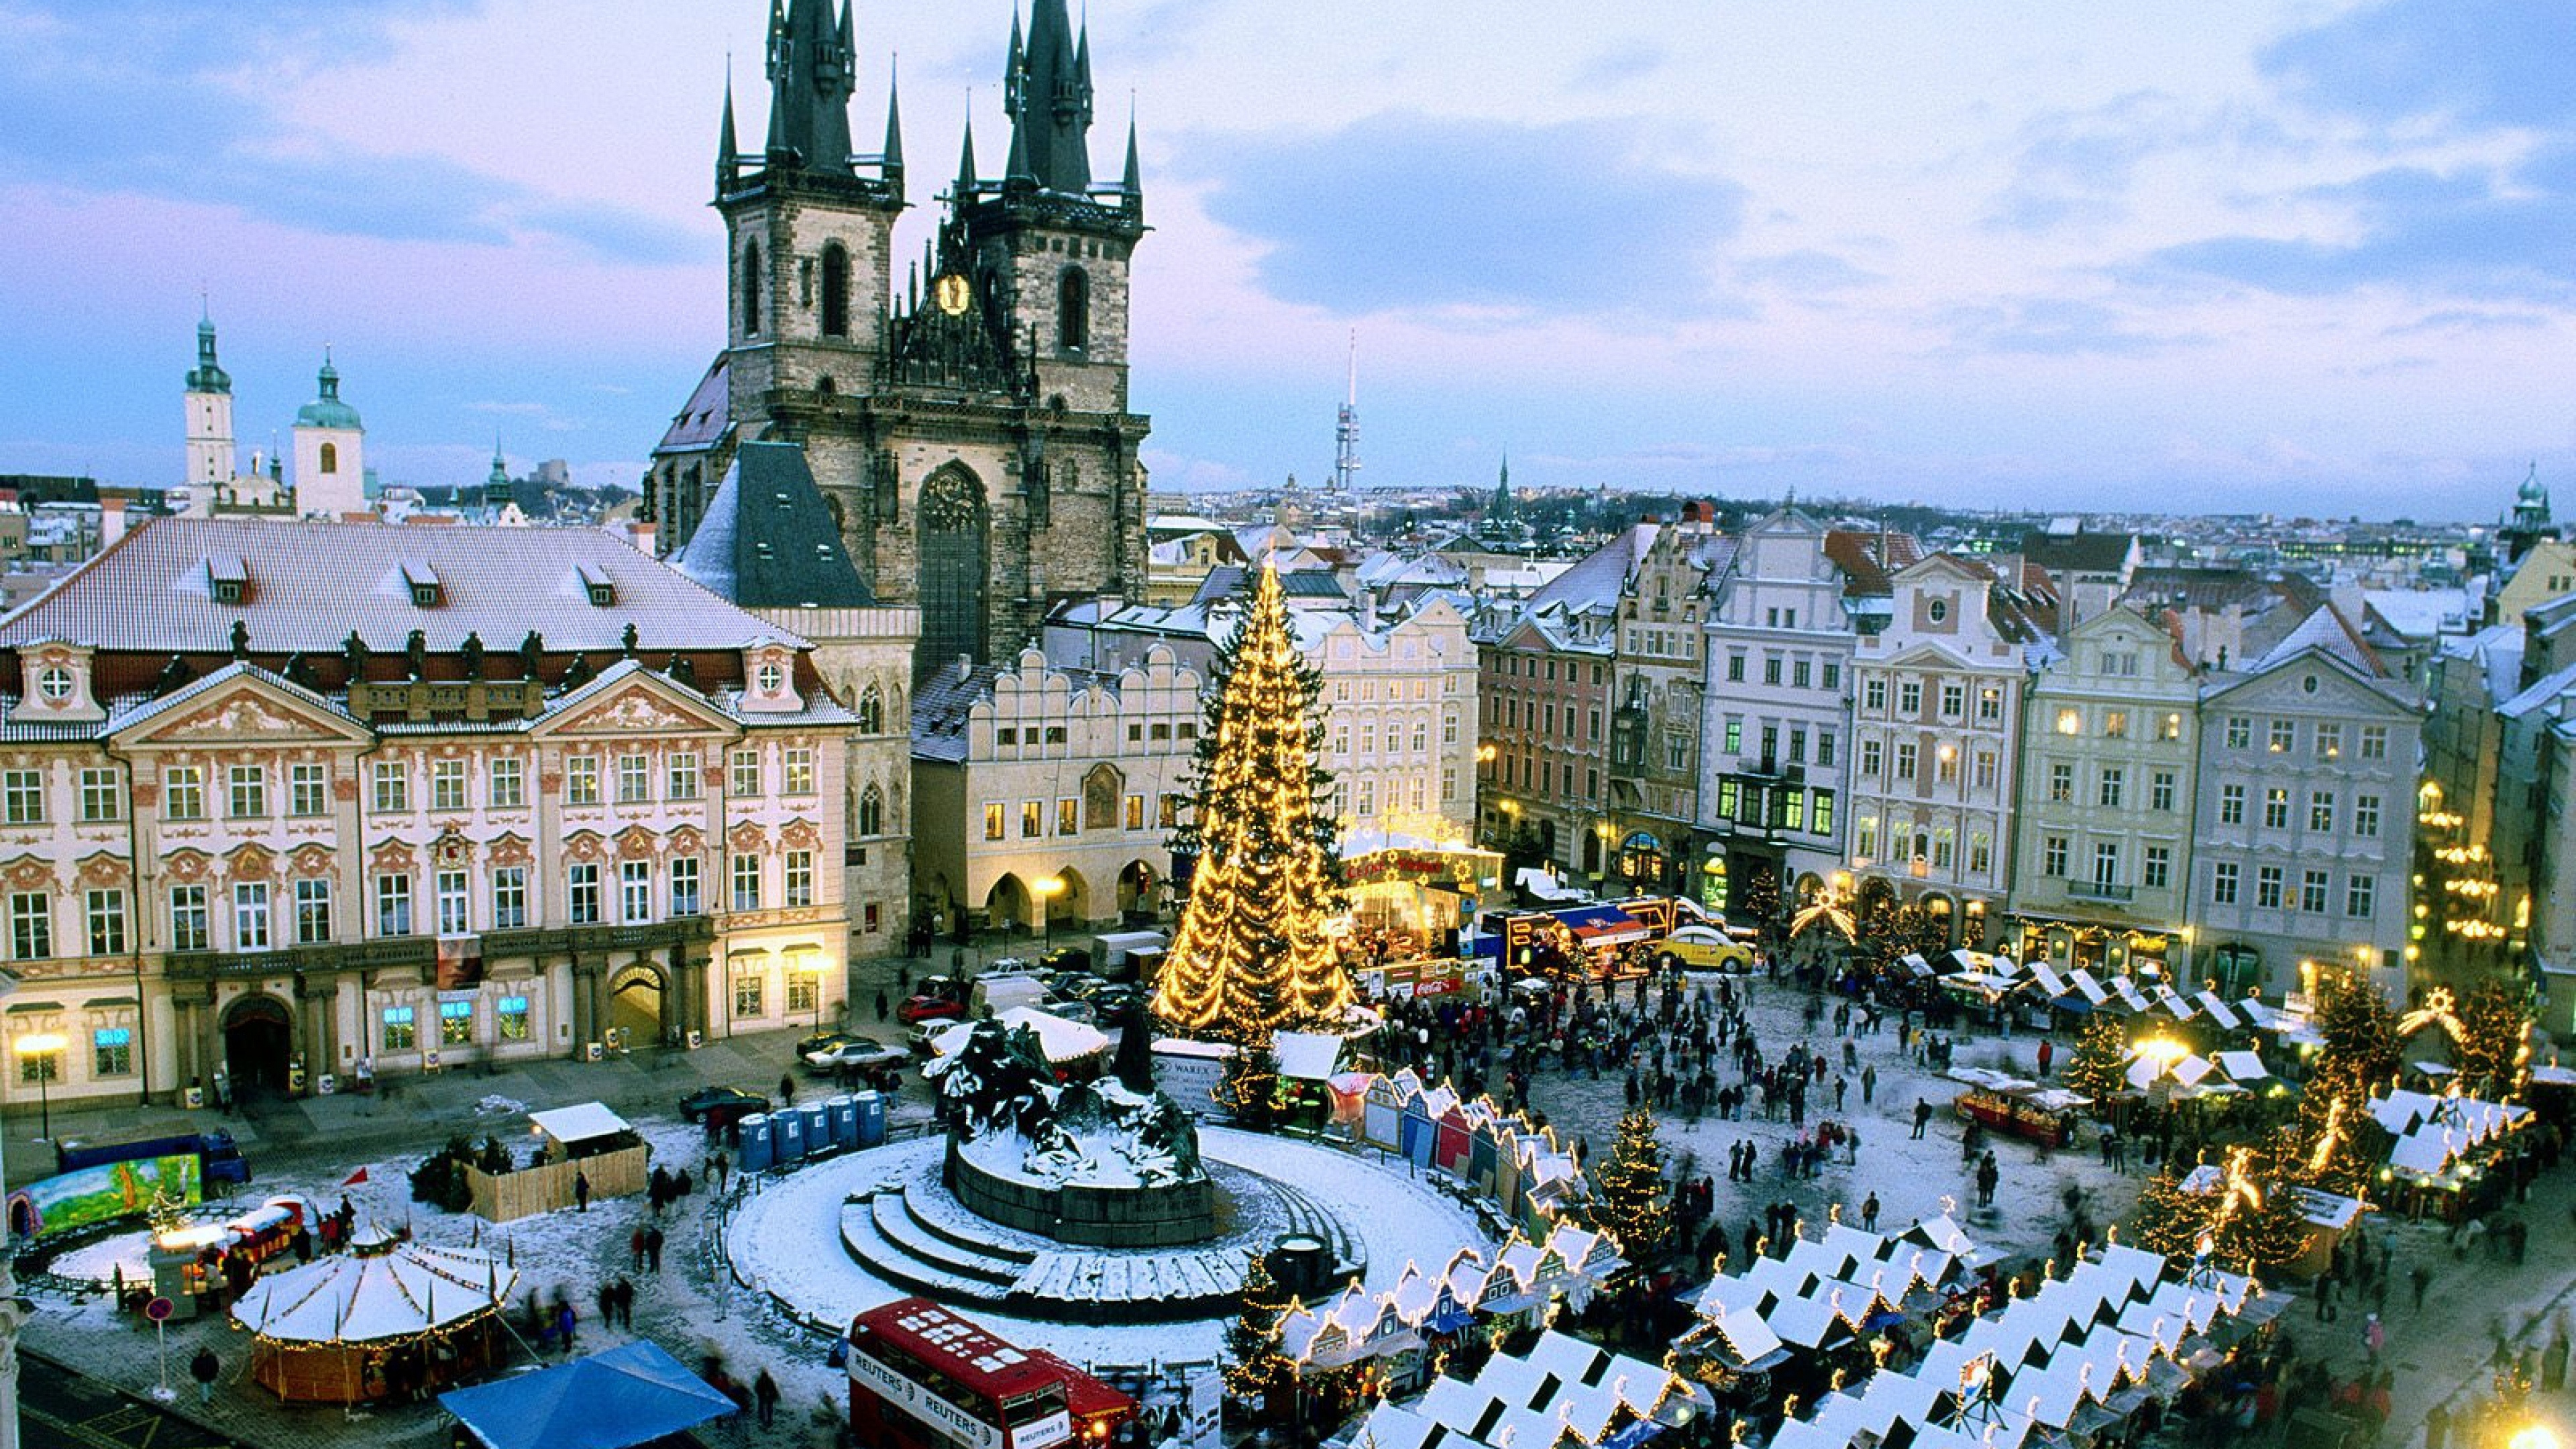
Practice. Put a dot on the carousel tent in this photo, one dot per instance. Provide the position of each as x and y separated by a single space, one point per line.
333 1330
632 1394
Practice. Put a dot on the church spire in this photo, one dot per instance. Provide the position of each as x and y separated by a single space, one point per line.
728 151
1132 186
1051 119
966 164
208 375
812 63
891 163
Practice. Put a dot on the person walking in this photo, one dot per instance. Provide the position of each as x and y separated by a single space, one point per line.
722 1165
653 1241
1869 1214
881 1004
205 1368
607 1300
2419 1278
635 1247
2553 1364
1869 1084
581 1190
764 1392
2374 1337
624 1298
2047 1054
1922 1117
786 1090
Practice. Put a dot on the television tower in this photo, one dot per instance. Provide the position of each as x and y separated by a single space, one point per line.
1346 432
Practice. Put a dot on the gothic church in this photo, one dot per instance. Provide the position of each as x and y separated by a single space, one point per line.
970 432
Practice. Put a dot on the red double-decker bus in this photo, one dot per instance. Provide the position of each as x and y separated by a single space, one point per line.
923 1378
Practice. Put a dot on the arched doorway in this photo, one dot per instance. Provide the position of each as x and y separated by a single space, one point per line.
259 1037
1641 861
1140 890
636 998
1007 905
952 518
1070 906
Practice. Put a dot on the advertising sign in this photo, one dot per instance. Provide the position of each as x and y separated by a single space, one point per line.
951 1421
102 1194
1205 1425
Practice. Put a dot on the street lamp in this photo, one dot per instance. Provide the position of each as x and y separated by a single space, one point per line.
41 1048
1048 889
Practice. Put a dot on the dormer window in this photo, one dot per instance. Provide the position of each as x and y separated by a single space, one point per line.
55 683
596 583
770 677
228 579
426 590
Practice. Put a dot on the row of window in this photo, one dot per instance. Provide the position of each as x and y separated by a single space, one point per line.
2325 737
1801 671
1776 808
392 896
1395 734
2321 813
1953 695
111 1054
1068 816
245 789
2114 723
399 1026
1510 711
1516 666
1409 792
1770 735
1985 767
2272 891
2111 786
1936 846
2110 870
1520 771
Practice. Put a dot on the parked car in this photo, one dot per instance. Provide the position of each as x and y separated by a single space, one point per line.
823 1041
722 1106
864 1053
927 1007
1067 958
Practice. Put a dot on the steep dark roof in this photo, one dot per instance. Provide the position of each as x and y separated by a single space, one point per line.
706 415
2093 553
1868 558
768 540
940 706
307 585
1228 581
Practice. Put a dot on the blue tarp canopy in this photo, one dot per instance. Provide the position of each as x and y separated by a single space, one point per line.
632 1394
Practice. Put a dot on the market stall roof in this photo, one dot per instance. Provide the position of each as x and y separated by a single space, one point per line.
1541 885
364 1297
2554 1075
1060 1039
1306 1056
1602 925
2243 1066
631 1394
2219 1011
581 1123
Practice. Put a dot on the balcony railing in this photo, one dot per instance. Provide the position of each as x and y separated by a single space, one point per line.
2094 890
376 954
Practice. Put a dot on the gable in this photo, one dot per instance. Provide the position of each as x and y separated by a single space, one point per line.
640 704
2284 688
244 709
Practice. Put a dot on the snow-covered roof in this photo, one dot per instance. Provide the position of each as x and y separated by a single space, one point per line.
580 1123
360 1298
1306 1056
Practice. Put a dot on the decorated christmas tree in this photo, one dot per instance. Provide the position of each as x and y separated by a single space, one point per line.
2098 1064
2492 1043
1251 956
1628 1190
2241 1216
1255 1369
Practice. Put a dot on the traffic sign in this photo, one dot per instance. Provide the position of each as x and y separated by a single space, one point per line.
159 1309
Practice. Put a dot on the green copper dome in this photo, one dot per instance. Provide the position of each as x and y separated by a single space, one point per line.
327 411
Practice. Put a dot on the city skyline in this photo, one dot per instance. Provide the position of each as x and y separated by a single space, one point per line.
2299 257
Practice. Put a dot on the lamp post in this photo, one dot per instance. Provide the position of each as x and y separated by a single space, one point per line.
40 1048
1048 889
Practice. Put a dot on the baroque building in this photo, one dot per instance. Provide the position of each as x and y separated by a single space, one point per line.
285 799
970 431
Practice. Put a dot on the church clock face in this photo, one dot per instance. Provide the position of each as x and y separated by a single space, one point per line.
952 293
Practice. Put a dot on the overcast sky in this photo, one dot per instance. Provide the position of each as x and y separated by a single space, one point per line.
2209 254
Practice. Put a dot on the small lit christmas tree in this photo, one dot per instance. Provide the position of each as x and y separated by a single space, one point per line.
1628 1190
2098 1066
1250 1090
2242 1217
1255 1369
2360 1031
2492 1047
1250 956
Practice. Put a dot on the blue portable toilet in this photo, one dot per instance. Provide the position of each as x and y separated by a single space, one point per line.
818 1129
845 1122
787 1141
872 1117
755 1155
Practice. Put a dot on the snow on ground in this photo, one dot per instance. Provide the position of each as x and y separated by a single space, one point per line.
784 1240
1911 1178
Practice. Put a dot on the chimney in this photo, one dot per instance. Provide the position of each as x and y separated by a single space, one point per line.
639 532
111 521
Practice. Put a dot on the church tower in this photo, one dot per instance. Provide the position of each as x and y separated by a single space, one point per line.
330 451
969 432
211 459
809 226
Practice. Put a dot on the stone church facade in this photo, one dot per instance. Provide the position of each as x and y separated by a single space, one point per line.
970 432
